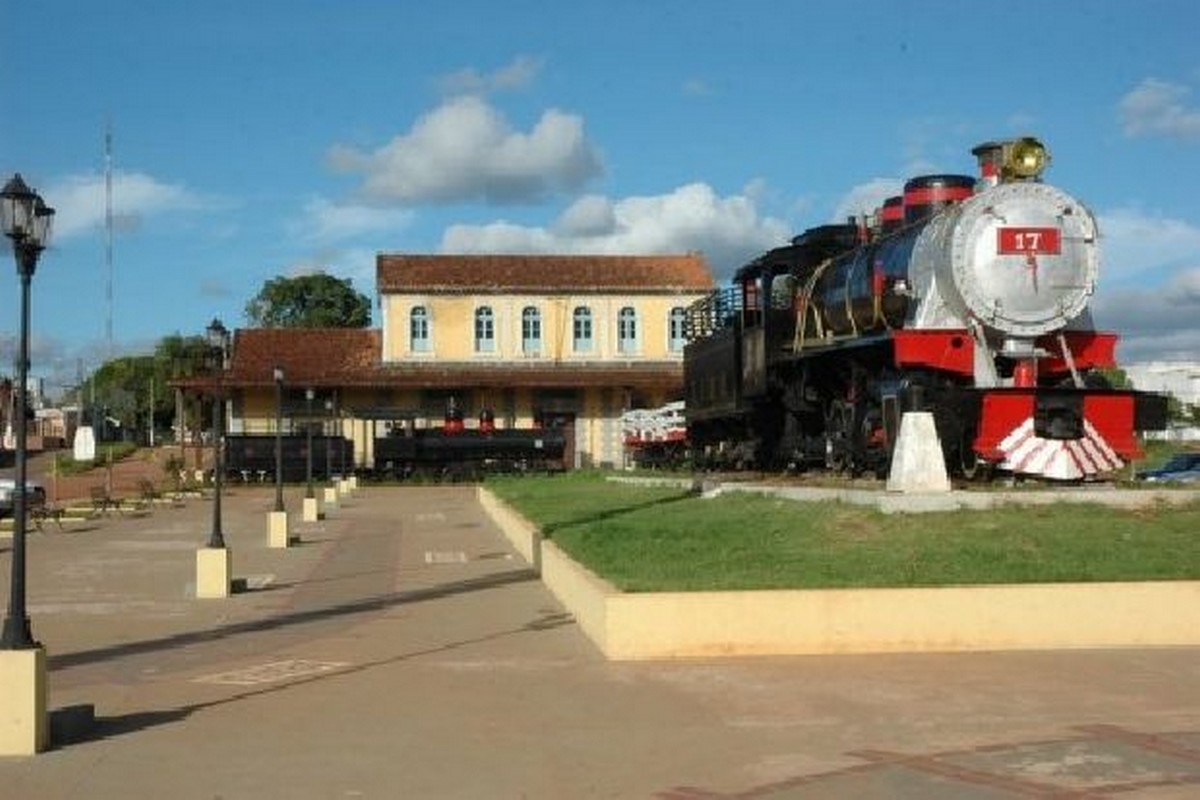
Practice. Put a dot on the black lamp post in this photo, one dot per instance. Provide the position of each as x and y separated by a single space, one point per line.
26 220
341 441
218 342
328 440
278 375
308 401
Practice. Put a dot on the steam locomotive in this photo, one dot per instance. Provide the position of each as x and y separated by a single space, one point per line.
453 452
967 297
251 457
457 452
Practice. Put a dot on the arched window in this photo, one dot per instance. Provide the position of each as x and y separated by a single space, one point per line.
531 331
675 324
627 331
485 330
581 329
418 329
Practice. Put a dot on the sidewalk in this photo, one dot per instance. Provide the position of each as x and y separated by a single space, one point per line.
403 650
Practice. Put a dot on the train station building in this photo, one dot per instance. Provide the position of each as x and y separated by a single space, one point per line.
567 341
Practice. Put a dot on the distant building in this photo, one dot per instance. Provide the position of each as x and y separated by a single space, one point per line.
43 429
1180 379
569 341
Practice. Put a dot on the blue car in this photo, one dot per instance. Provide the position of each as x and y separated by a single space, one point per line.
1179 467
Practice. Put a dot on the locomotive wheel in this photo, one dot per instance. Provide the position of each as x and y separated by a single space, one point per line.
838 435
970 465
979 470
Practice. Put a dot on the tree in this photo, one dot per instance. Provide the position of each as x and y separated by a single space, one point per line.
1117 378
309 301
134 390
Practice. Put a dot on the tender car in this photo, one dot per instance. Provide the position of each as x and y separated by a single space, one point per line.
35 495
1179 467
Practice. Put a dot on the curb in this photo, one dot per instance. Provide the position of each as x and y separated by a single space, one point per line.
1055 616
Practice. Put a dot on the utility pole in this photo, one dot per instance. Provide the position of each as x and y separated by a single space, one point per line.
151 416
108 240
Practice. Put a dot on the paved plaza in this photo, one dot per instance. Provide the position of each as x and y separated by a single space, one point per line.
402 649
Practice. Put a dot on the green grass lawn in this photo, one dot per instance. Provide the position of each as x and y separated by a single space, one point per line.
667 539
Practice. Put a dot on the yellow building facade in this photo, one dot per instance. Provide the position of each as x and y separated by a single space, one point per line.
569 342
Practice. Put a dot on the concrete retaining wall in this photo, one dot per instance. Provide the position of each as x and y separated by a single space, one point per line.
956 618
520 532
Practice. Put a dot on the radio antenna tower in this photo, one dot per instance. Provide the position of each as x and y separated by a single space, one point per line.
108 239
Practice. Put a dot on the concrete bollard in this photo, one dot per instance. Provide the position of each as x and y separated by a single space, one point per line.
277 529
917 462
214 566
25 721
312 510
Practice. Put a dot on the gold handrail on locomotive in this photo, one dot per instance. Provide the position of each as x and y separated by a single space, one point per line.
807 299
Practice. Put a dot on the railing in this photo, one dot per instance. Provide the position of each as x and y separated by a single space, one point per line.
716 312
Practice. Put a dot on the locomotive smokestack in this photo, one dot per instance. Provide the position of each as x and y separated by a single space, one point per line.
990 156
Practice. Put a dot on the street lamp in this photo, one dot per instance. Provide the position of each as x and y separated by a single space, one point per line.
218 342
341 440
26 219
277 373
308 401
328 440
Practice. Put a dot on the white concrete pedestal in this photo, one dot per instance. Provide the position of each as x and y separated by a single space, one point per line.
343 487
214 568
277 529
331 497
24 718
917 462
312 510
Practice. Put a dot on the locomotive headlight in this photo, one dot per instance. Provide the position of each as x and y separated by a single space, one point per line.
1025 158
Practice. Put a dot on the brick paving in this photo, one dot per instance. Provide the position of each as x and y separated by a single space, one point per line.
401 649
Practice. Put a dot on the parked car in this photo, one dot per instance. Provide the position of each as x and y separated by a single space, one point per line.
1179 467
35 495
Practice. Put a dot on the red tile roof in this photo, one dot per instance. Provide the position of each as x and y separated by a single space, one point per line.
310 356
541 273
351 357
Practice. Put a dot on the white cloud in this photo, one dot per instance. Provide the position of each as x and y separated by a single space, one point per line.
1158 108
728 230
517 74
591 215
866 198
1136 244
465 151
355 263
1149 287
1160 323
79 201
325 221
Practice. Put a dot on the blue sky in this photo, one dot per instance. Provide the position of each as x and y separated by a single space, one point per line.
268 137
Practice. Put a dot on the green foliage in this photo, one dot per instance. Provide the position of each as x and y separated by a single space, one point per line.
663 539
65 464
135 389
1116 377
172 468
309 301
